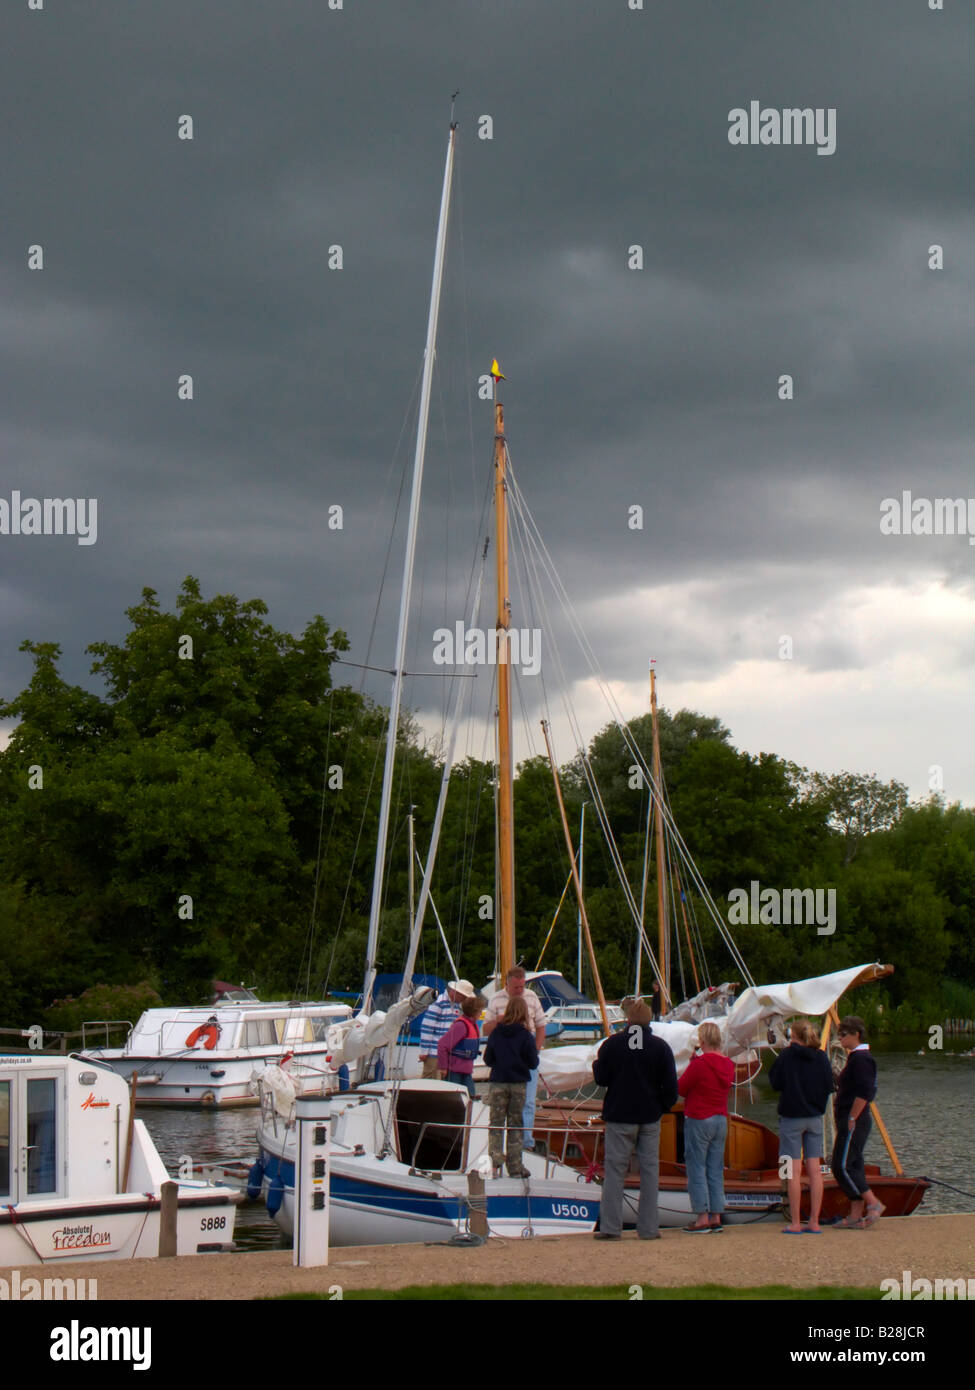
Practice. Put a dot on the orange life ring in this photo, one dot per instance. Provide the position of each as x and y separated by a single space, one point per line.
210 1031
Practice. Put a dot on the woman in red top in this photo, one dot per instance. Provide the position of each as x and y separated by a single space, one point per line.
705 1086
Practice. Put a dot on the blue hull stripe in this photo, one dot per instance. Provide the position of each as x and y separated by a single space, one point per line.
380 1196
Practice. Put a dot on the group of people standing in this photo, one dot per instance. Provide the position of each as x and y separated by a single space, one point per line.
640 1076
641 1083
514 1025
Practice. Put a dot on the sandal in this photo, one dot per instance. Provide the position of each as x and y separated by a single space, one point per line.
873 1213
848 1224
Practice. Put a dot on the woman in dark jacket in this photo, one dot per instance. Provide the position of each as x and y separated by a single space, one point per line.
512 1056
803 1074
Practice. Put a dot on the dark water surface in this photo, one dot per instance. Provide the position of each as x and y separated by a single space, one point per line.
216 1137
926 1098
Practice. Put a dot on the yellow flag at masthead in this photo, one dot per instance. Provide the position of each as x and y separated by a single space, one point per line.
496 371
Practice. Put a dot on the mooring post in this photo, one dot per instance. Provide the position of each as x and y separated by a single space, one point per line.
168 1216
477 1207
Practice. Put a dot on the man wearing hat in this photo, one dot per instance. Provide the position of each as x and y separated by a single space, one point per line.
640 1077
437 1020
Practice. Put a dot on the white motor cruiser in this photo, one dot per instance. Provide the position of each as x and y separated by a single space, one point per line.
80 1177
207 1056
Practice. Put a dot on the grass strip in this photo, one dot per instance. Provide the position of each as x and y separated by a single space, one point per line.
609 1293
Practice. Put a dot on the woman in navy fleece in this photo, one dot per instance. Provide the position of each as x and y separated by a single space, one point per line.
804 1076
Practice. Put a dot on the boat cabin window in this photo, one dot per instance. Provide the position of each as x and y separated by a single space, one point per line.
42 1137
262 1032
429 1130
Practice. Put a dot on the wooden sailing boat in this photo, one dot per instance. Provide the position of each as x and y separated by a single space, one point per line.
753 1185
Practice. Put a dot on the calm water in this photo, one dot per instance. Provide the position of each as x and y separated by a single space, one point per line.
214 1137
927 1102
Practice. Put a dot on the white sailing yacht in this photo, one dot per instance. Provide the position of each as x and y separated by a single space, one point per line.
409 1159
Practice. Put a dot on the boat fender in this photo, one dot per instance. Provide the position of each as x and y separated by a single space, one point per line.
343 1077
275 1195
255 1180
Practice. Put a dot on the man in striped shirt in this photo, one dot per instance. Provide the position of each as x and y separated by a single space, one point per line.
444 1011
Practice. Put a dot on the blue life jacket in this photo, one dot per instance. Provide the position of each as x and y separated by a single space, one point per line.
468 1047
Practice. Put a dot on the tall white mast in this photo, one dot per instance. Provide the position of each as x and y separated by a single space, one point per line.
394 703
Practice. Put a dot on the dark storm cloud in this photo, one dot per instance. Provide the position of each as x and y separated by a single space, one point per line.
654 387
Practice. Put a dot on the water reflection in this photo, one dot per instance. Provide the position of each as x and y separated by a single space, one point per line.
215 1137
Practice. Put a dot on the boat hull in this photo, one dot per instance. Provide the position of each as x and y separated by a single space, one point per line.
219 1082
753 1187
381 1203
125 1226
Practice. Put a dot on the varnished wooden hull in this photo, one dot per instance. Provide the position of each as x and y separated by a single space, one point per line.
751 1159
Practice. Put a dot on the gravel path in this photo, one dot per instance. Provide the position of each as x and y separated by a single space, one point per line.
932 1247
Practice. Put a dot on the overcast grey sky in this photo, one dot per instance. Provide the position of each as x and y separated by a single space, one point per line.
656 388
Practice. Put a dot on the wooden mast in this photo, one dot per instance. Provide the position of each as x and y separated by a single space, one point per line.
578 884
662 933
506 846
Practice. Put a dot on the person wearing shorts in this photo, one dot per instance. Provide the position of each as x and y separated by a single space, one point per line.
803 1075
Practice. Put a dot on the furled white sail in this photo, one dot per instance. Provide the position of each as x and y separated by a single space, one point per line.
357 1037
744 1028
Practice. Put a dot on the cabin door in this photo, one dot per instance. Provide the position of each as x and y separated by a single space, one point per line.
30 1145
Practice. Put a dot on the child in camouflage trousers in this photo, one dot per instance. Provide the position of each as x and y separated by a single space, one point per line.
512 1056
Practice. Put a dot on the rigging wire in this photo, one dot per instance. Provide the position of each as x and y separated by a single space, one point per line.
629 741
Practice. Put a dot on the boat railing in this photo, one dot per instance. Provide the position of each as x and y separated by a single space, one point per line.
435 1132
573 1134
96 1025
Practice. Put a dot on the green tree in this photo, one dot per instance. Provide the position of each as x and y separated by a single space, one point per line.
856 805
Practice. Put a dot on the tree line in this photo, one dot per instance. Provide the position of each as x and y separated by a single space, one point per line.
213 814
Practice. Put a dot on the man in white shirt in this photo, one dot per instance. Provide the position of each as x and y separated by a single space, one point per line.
515 988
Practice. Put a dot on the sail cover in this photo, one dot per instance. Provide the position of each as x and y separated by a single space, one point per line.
359 1036
745 1027
760 1003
